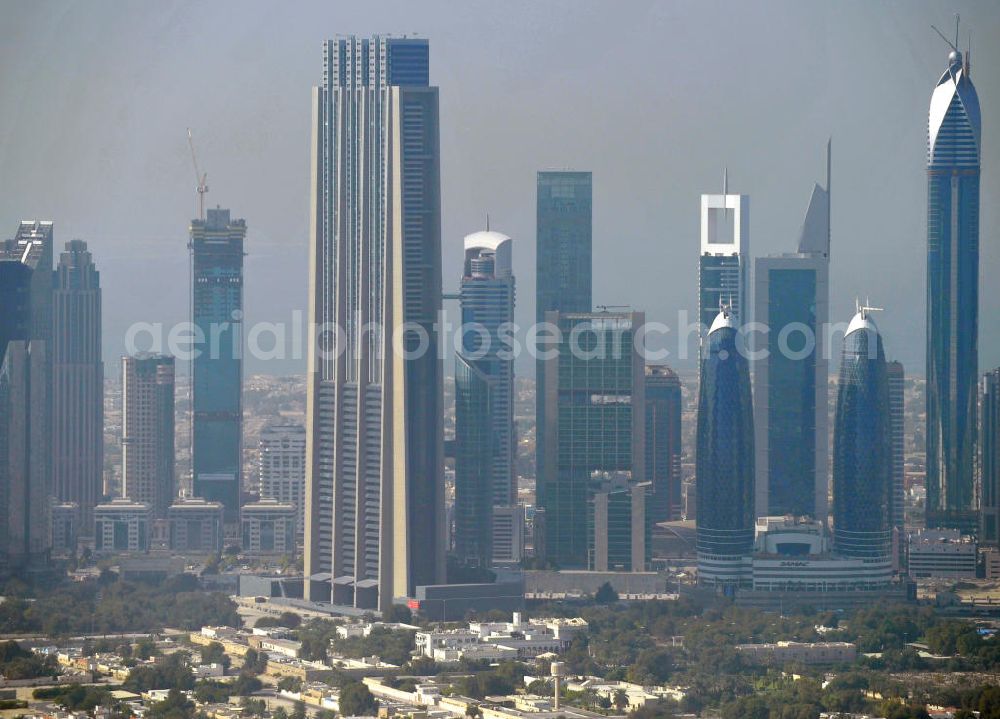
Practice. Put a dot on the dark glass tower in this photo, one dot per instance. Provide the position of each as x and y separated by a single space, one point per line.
148 431
375 525
217 371
563 266
725 459
897 385
791 377
954 147
989 447
594 431
484 396
862 446
78 383
26 398
663 443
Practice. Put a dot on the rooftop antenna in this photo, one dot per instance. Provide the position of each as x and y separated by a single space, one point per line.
829 195
865 308
725 181
200 179
487 221
952 45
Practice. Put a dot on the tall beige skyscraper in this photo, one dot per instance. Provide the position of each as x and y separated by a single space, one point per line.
148 431
375 526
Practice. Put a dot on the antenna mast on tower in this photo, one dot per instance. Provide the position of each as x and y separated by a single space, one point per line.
200 179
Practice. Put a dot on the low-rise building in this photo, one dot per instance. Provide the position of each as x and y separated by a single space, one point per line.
195 526
122 525
268 528
801 652
942 553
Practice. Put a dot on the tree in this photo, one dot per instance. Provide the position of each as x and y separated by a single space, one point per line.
620 699
399 613
299 711
215 653
606 594
175 706
254 662
279 713
289 684
356 700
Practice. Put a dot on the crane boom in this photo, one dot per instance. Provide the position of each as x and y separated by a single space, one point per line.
200 179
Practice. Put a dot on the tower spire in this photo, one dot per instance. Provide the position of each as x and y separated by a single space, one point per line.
725 181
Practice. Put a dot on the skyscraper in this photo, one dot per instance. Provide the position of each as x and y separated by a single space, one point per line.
282 467
989 447
148 431
725 459
26 397
78 383
594 431
954 146
374 475
790 382
724 261
563 266
484 396
663 443
217 371
862 446
897 384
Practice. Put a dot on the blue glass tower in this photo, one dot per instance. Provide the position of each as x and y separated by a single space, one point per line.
563 267
484 396
989 462
954 139
862 446
725 459
217 370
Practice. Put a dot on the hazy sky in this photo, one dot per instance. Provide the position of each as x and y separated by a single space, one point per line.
654 97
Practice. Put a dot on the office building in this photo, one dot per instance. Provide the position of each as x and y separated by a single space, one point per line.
282 467
725 460
268 528
595 383
25 398
508 535
724 260
375 466
989 463
78 382
148 431
563 267
217 369
663 443
619 530
862 446
942 553
954 146
790 381
484 396
897 385
195 526
65 523
122 525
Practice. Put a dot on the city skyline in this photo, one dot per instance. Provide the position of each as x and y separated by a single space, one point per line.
655 218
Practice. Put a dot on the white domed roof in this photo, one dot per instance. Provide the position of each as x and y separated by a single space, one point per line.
725 318
862 320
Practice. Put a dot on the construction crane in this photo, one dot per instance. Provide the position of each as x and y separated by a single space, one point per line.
200 179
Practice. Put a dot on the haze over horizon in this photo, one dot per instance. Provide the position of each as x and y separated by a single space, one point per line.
656 101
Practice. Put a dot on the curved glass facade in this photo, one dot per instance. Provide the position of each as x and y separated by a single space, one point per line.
953 167
725 461
862 446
